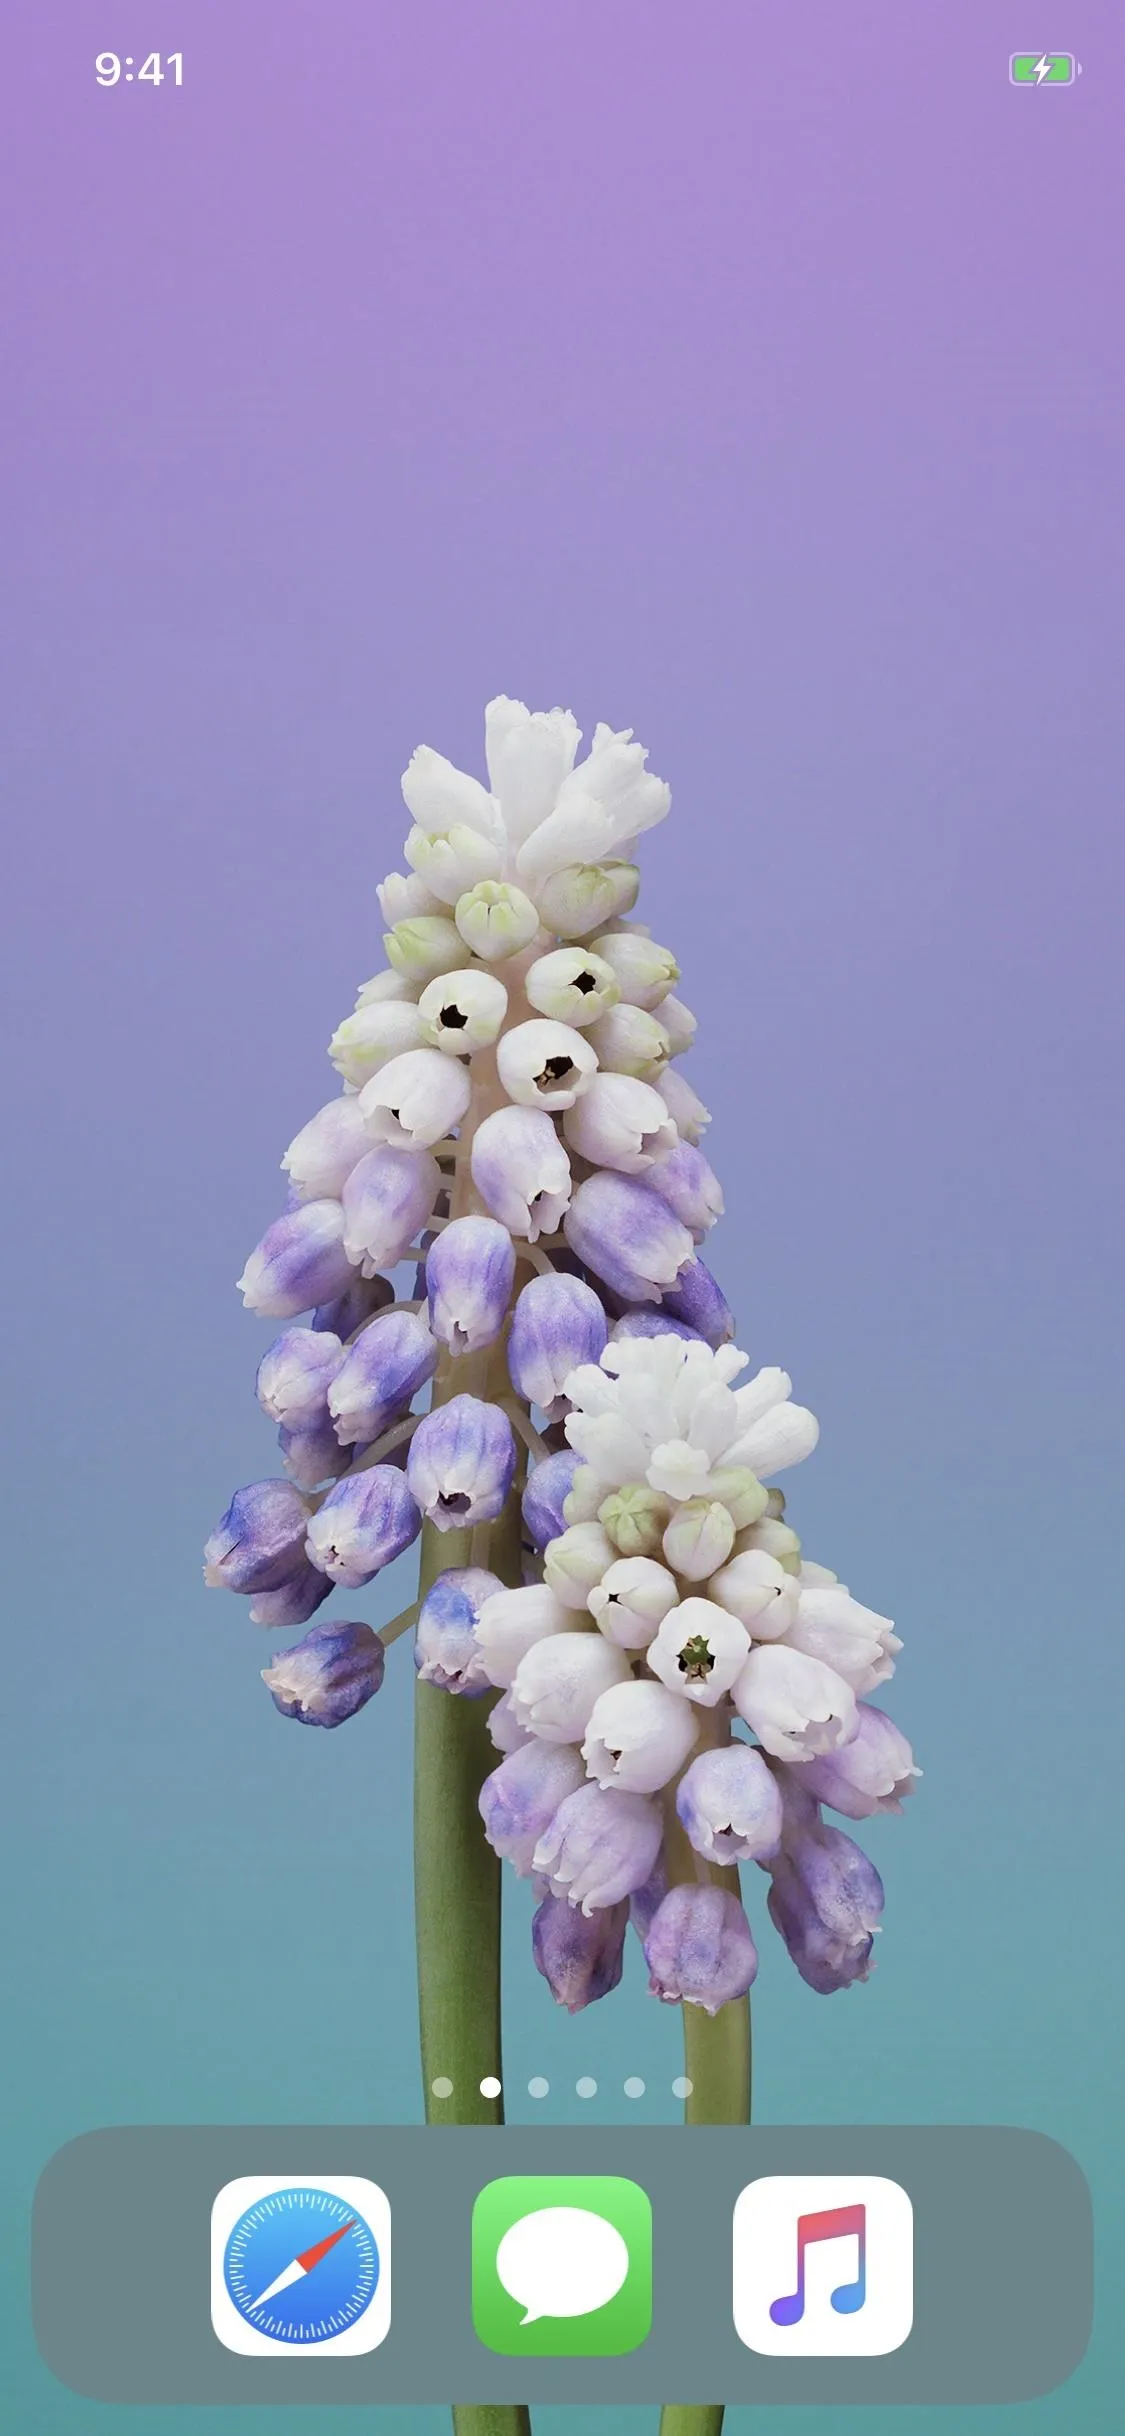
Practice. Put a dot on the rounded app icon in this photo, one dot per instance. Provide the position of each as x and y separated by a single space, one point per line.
823 2266
562 2265
300 2265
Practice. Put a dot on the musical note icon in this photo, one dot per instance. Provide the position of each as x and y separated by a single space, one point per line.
828 2224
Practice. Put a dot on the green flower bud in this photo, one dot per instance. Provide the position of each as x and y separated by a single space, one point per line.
635 1519
742 1493
775 1539
585 896
423 945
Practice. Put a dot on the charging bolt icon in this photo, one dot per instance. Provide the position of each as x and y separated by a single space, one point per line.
1043 68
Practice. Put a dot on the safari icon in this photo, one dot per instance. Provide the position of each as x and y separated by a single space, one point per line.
562 2266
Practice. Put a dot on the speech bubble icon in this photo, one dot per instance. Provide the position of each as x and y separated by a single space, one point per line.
562 2263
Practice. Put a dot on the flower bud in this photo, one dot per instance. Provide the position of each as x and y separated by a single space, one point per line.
521 1798
311 1456
295 1600
621 1123
585 896
585 1495
469 1274
521 1170
580 1959
756 1589
438 796
699 1949
364 1523
545 1065
599 1846
634 1518
462 1012
529 753
684 1106
858 1644
557 1323
698 1298
416 1099
699 1651
874 1771
387 1200
690 1187
699 1538
384 987
741 1492
295 1375
632 1599
425 944
770 1538
649 1321
572 985
445 1642
380 1375
326 1677
782 1436
402 896
512 1621
826 1901
300 1261
495 920
361 1299
643 971
461 1462
680 1025
795 1705
638 1737
729 1806
628 1236
260 1540
321 1157
503 1732
548 1484
629 1041
556 1684
575 1562
366 1040
451 861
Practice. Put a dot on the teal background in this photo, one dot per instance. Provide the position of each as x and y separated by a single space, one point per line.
757 388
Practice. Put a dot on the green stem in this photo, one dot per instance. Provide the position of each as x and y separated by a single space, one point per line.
692 2419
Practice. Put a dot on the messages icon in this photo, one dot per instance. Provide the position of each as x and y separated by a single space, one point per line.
562 2266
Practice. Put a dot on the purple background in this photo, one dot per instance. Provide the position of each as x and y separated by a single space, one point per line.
751 376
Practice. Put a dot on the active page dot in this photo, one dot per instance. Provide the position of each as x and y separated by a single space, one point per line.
490 2086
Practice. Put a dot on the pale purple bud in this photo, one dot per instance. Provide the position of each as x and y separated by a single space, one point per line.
387 1200
557 1323
416 1099
874 1771
503 1729
698 1298
680 1025
699 1538
628 1236
583 897
699 1651
463 1011
795 1705
699 1949
573 1563
689 1185
425 944
461 1463
361 1299
690 1117
445 1643
363 1524
548 1484
311 1456
650 1321
599 1846
645 1901
629 1041
631 1600
521 1798
260 1540
380 1375
555 1686
729 1806
329 1675
470 1271
321 1157
621 1123
295 1375
521 1170
644 972
571 985
545 1065
580 1959
759 1592
366 1040
638 1737
512 1621
300 1261
495 920
297 1598
826 1901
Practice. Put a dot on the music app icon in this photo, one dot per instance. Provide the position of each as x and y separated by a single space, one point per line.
823 2266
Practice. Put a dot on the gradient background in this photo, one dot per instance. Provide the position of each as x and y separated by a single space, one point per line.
753 377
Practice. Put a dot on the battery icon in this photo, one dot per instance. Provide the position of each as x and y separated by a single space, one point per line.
1043 68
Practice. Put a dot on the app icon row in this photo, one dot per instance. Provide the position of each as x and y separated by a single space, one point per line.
822 2266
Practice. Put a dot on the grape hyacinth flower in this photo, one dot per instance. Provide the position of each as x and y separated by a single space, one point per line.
630 1678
